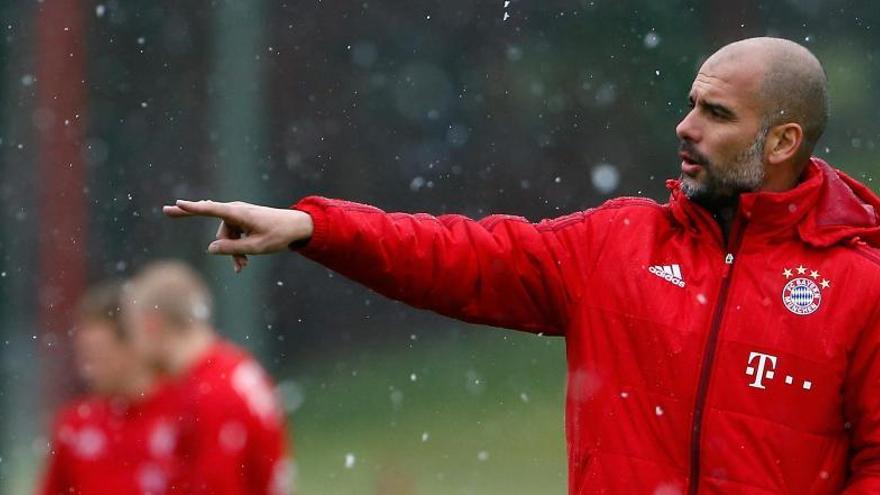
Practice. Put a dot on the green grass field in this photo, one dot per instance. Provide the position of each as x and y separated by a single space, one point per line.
477 412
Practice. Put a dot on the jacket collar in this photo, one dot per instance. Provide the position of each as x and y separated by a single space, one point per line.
826 208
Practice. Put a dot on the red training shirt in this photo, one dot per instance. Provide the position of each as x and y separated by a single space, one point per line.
232 438
107 446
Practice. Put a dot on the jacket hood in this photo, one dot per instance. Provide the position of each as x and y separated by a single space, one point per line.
846 211
826 208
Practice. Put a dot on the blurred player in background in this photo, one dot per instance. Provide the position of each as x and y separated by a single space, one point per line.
120 438
232 439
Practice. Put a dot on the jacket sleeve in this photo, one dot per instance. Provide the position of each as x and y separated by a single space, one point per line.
501 270
862 407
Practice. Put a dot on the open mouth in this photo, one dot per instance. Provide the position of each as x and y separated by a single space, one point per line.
689 164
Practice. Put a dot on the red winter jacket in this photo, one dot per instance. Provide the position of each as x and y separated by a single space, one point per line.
694 365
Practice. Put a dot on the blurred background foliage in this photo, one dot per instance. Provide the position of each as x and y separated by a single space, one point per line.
526 107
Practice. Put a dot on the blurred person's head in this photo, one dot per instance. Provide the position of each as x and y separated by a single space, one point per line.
104 357
167 311
758 107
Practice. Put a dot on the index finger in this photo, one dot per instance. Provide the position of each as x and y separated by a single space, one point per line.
175 211
183 208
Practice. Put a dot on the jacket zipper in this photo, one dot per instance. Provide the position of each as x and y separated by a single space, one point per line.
709 352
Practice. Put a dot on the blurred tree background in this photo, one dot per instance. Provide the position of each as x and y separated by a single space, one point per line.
111 109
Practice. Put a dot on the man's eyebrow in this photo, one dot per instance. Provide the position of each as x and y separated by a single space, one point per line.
716 108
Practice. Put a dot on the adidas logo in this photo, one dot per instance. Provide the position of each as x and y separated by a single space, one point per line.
669 273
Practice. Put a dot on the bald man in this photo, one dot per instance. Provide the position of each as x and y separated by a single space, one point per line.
724 342
231 439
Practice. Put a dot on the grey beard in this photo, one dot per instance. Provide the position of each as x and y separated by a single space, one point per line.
723 185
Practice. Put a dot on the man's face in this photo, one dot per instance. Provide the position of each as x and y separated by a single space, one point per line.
722 136
146 338
104 361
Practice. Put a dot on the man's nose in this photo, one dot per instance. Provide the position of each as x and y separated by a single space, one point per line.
687 129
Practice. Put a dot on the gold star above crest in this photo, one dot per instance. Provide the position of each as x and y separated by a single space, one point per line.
786 273
814 274
825 284
801 270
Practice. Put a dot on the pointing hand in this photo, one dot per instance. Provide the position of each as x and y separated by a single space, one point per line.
245 228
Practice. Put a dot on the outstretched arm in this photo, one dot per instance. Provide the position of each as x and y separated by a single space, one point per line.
501 270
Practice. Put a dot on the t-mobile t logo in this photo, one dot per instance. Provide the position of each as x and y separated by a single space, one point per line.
763 367
762 371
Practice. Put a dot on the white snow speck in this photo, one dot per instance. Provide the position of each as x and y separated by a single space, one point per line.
524 397
279 283
658 410
144 104
2 274
349 460
651 40
100 10
28 80
417 183
557 180
506 3
396 398
506 16
701 298
624 395
425 436
413 377
483 456
605 178
141 40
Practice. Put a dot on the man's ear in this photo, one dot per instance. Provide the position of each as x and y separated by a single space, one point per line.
783 142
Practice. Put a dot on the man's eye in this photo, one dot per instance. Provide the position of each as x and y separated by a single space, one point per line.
717 113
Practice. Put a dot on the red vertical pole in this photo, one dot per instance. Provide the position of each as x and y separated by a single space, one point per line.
59 121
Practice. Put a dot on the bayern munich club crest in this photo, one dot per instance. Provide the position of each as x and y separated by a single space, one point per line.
802 294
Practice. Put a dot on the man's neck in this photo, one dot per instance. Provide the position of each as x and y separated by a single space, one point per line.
724 216
784 177
188 349
138 385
